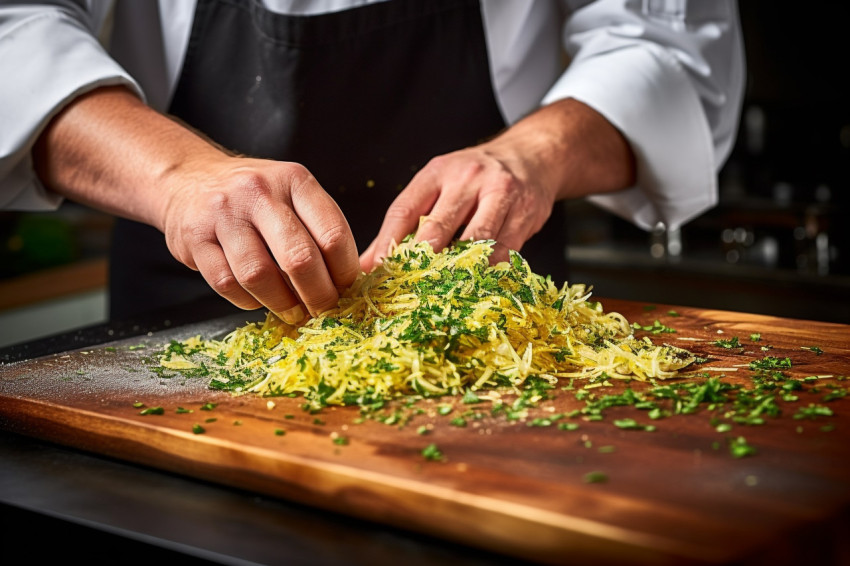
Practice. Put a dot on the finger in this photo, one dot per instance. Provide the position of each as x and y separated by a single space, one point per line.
402 217
488 218
329 229
299 257
258 274
448 214
367 258
210 260
518 227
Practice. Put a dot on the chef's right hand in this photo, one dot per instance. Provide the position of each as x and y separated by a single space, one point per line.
262 233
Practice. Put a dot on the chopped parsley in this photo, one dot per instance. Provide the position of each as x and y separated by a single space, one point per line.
595 477
152 411
431 452
728 343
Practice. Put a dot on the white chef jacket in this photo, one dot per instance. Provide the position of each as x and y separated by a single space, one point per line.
669 74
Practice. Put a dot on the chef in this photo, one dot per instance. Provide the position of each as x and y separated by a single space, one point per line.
259 143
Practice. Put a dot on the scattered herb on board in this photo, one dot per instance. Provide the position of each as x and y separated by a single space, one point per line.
739 448
813 411
198 429
152 411
655 328
431 452
444 318
595 477
728 343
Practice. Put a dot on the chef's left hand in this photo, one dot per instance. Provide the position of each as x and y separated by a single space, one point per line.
504 189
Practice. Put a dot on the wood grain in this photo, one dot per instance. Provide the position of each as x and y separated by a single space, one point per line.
673 496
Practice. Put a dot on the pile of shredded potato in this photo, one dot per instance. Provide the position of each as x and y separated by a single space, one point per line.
433 324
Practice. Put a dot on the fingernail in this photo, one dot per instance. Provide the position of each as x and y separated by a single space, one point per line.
293 315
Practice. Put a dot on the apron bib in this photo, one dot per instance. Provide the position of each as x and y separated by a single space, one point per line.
363 98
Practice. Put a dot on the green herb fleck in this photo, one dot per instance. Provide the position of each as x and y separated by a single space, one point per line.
470 398
739 448
655 328
431 452
152 411
770 362
595 477
813 411
631 424
728 343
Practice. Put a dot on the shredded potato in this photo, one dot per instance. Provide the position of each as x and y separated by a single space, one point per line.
435 324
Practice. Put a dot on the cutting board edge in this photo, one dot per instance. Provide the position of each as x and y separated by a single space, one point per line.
547 538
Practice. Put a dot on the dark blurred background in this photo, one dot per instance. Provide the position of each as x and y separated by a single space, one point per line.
778 242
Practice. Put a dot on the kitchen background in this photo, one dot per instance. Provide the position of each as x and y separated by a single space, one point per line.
778 242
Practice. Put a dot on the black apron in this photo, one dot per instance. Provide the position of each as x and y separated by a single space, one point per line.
363 98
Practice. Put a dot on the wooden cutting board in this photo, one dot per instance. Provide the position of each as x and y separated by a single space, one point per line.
670 496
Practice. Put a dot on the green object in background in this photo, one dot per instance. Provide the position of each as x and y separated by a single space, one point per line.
35 241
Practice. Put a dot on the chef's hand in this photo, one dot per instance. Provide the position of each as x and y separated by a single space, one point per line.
486 189
504 189
262 233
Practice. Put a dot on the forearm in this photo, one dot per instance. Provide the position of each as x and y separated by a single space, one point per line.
108 150
571 149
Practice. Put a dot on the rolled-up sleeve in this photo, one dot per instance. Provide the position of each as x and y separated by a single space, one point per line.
669 74
48 56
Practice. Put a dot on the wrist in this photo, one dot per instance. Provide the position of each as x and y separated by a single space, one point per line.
572 149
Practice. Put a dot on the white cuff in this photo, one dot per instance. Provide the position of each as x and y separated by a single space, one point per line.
644 92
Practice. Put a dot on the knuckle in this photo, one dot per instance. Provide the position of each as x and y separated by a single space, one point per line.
299 179
224 283
217 202
300 259
198 234
472 169
487 232
439 224
250 181
400 210
504 182
253 273
334 238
